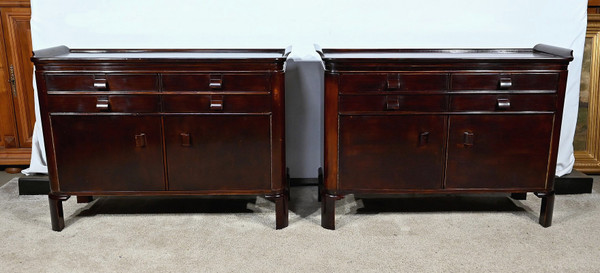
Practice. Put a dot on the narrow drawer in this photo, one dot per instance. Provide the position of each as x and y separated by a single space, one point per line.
217 103
420 103
216 82
101 103
504 102
102 82
504 81
392 82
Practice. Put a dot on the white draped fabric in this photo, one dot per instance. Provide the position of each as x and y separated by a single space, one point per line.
333 23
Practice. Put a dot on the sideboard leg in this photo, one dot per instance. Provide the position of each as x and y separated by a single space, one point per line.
519 195
84 199
328 211
320 184
547 208
281 211
56 211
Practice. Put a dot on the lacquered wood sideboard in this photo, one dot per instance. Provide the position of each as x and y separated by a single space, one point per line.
163 122
403 121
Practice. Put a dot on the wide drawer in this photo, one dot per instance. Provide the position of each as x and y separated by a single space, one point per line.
217 103
503 102
392 82
104 103
216 82
101 82
504 81
420 103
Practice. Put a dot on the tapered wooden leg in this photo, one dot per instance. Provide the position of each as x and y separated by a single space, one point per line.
519 196
328 211
547 208
56 211
84 199
281 211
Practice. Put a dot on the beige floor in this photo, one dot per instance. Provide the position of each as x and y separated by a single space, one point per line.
5 177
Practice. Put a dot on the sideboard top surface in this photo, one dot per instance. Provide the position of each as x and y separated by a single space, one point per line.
65 54
540 53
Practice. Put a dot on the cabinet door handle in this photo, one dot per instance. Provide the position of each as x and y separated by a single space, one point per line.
392 103
423 138
140 140
468 139
503 103
216 103
393 81
102 104
185 139
216 82
505 83
101 83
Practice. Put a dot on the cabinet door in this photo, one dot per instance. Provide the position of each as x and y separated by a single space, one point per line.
218 152
19 77
391 152
498 151
108 153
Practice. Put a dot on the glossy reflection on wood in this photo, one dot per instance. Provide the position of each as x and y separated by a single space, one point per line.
163 122
442 121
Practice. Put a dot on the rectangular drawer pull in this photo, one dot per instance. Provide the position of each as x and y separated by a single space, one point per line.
393 81
423 138
392 103
468 139
140 140
503 104
102 104
216 103
101 83
505 83
185 139
216 82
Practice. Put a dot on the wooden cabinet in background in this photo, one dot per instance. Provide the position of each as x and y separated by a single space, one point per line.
17 114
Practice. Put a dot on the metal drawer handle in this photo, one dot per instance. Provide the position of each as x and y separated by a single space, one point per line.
101 84
423 138
216 82
102 104
503 104
140 140
185 139
468 139
505 83
216 103
393 81
392 103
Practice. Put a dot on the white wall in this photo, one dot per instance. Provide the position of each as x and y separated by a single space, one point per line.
334 23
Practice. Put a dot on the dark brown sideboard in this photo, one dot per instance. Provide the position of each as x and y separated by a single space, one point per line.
442 121
163 122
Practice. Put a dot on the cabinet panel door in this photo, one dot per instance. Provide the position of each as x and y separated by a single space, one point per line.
498 151
391 152
17 38
218 152
108 153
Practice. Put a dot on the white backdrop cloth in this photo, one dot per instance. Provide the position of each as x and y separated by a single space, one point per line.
333 23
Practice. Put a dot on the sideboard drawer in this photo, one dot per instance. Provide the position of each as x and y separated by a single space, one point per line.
100 103
420 103
392 82
102 82
504 81
504 102
217 103
216 82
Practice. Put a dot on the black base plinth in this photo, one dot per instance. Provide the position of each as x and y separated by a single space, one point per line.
573 183
34 184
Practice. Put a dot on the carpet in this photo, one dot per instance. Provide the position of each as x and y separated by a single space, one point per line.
440 233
